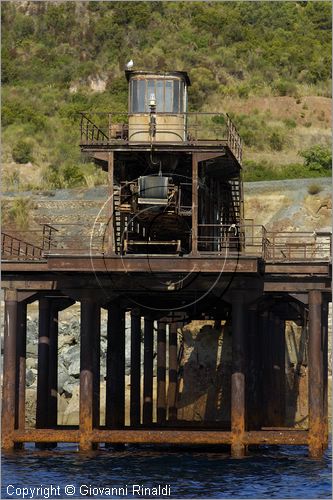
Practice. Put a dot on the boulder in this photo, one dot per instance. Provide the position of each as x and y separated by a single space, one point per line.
31 377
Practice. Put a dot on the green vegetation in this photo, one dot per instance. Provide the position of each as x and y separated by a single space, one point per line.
314 189
317 162
52 53
318 159
22 152
18 213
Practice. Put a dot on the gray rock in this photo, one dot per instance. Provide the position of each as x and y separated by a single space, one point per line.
31 363
74 368
70 386
63 376
70 355
31 377
65 340
31 350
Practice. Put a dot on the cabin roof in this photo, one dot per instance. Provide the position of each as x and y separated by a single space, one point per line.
179 74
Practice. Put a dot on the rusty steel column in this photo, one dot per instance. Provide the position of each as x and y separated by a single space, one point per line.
173 373
115 369
265 371
238 376
43 364
325 368
96 327
195 204
253 400
147 414
161 372
111 239
53 368
316 389
86 373
21 366
9 371
281 349
135 396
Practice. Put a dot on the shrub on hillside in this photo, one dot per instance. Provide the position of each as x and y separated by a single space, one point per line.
314 189
276 141
22 152
317 158
19 213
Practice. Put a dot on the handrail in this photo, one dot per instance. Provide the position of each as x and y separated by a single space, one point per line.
91 133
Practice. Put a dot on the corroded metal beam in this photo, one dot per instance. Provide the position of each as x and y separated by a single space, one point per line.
238 376
173 372
135 390
9 394
161 372
159 436
115 368
316 383
86 374
147 415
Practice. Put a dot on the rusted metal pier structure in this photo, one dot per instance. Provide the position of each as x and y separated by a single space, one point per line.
170 246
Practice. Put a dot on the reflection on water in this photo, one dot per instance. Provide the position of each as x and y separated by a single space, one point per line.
283 472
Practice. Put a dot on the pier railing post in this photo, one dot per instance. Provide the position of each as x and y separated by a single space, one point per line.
9 394
238 376
316 383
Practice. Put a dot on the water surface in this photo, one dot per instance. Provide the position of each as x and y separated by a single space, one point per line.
282 472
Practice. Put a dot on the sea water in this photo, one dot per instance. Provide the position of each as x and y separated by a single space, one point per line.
279 472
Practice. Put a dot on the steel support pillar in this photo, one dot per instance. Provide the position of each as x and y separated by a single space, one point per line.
21 367
86 374
96 366
316 383
266 371
135 396
43 365
238 377
161 372
147 415
173 373
9 394
111 239
253 396
115 369
195 204
53 368
325 368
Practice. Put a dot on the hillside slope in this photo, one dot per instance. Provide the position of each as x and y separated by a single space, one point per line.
266 63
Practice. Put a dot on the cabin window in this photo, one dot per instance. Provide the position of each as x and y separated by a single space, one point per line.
169 95
176 106
159 96
141 96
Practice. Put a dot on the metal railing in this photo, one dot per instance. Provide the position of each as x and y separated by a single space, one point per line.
294 246
27 244
109 128
91 238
